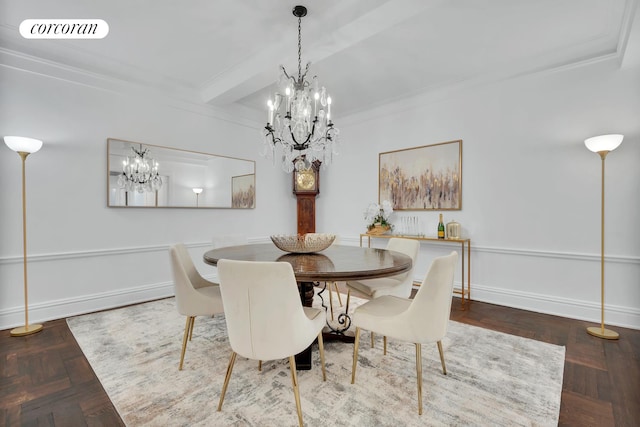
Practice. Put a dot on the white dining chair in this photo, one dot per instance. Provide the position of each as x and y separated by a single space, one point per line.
195 296
424 319
265 319
399 285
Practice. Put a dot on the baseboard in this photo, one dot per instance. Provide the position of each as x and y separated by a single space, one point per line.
625 317
68 307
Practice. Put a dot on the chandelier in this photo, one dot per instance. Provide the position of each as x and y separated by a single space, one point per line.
140 172
299 130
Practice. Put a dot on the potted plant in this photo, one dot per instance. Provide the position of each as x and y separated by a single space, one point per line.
377 217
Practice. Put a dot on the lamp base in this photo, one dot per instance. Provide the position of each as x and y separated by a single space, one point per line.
599 332
26 330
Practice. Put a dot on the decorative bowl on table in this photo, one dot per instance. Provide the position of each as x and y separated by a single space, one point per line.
303 243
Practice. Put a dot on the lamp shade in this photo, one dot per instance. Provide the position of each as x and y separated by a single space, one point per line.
23 144
197 190
603 142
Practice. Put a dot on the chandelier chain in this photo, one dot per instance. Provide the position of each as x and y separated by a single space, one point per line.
299 48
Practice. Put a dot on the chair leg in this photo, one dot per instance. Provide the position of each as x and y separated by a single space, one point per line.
419 372
444 368
371 339
321 349
385 344
331 302
193 322
296 392
259 365
355 356
335 286
187 328
226 379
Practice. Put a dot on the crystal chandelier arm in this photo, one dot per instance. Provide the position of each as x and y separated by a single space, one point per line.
301 80
285 73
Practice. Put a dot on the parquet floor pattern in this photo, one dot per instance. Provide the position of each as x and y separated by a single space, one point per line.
45 379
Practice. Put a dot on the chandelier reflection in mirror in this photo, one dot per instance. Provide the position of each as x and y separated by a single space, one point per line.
300 130
140 172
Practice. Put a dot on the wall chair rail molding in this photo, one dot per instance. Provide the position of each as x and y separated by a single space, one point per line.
623 259
78 255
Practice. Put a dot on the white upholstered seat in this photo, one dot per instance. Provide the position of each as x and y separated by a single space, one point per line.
195 296
265 319
399 285
421 320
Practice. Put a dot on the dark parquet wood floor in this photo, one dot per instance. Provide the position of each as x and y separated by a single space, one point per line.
45 379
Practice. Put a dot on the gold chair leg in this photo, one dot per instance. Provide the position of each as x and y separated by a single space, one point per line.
335 286
321 349
226 379
331 302
296 392
384 338
444 368
355 356
419 372
193 322
371 339
259 365
187 327
346 310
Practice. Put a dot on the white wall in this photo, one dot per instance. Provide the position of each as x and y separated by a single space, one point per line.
531 189
84 256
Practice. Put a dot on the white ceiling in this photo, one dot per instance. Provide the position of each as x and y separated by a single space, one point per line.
366 52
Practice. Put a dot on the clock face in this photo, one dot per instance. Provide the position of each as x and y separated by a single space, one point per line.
305 180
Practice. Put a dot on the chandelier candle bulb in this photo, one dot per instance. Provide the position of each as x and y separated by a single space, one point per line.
270 114
316 96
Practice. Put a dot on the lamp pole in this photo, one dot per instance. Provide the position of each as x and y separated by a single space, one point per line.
602 145
24 147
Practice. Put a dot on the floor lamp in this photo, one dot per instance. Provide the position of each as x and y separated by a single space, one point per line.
602 145
197 191
24 146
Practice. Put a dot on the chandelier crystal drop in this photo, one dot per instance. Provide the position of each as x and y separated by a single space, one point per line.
140 172
299 129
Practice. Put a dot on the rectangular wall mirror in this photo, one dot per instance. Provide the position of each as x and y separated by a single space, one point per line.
146 175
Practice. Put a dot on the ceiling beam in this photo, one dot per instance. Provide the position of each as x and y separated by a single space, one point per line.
260 70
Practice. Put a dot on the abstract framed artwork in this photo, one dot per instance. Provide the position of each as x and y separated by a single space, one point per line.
243 191
428 177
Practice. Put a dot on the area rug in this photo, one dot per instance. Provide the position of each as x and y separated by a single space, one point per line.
492 378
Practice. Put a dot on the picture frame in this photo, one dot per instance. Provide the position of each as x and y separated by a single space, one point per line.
243 191
427 177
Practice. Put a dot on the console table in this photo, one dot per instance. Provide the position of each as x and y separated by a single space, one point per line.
464 292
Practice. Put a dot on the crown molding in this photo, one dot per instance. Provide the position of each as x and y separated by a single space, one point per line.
180 98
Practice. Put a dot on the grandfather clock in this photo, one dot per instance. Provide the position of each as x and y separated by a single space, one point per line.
306 186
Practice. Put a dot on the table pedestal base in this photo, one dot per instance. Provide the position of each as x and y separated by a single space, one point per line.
303 359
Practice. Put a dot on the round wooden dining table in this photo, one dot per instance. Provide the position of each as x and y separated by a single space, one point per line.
336 263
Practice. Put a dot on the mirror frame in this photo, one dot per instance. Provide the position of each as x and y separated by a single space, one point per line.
152 146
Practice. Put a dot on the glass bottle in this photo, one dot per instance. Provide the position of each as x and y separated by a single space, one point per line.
440 228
